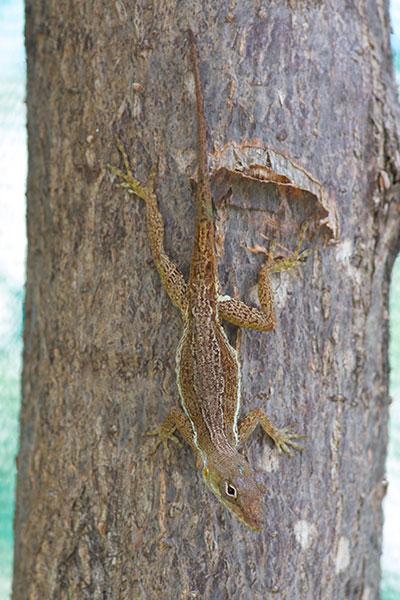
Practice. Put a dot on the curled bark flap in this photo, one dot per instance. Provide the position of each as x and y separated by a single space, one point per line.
267 165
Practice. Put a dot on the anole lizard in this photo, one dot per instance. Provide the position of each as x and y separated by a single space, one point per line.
207 366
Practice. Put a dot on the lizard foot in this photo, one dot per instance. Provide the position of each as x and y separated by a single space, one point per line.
128 181
283 439
162 438
276 264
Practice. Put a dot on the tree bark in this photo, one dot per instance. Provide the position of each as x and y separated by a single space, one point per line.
96 516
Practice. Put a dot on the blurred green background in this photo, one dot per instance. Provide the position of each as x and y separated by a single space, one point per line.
13 160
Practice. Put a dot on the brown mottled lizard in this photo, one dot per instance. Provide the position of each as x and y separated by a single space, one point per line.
207 366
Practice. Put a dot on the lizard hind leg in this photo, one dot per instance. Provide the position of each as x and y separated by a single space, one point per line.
241 314
283 438
276 264
170 275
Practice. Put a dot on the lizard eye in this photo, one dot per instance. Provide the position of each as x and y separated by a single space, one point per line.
230 490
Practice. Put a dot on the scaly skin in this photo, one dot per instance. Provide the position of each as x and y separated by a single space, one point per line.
208 371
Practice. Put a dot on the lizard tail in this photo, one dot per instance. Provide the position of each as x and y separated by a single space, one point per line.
204 208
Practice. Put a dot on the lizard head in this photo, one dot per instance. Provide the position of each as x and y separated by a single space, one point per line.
238 487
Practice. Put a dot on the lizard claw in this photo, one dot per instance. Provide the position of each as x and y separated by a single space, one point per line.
128 181
162 439
269 252
283 439
277 264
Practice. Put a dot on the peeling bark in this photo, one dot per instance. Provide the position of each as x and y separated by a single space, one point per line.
251 161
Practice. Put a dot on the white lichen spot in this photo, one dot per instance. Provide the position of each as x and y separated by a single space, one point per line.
305 533
344 251
343 555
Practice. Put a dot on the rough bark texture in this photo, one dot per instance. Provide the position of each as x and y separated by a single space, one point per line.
96 517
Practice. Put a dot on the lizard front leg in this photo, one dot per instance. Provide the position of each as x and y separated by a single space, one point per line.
174 420
171 277
281 437
241 314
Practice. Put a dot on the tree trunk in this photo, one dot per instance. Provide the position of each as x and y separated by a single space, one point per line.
291 88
